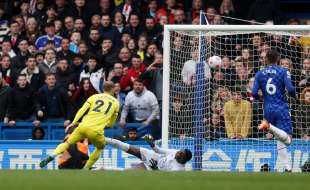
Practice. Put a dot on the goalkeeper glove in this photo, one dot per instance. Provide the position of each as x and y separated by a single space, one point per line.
153 164
150 140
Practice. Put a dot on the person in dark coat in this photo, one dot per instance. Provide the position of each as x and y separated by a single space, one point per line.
64 77
19 61
54 101
108 31
4 100
23 104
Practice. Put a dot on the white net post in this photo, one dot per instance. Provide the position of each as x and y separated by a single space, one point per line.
195 93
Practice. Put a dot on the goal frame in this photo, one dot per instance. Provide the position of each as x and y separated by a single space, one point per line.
166 56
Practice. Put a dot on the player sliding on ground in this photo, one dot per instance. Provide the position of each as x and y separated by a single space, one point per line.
156 159
98 112
272 81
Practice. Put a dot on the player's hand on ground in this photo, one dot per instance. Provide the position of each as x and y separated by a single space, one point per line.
150 140
153 164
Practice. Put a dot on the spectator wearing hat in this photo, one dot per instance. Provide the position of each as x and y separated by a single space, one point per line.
50 35
23 103
237 115
77 67
19 61
35 77
4 100
49 64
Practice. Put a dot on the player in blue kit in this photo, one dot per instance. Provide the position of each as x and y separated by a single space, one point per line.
273 81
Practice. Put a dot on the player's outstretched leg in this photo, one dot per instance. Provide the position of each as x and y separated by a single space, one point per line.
59 150
124 146
278 133
93 158
283 140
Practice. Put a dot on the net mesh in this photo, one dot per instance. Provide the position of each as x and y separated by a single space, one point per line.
228 139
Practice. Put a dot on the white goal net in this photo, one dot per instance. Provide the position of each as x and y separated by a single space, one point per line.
199 107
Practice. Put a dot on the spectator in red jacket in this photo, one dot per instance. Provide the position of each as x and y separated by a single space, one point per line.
133 73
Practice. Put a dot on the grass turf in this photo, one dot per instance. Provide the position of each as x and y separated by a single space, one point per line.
136 180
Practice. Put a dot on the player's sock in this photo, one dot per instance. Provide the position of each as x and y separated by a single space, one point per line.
283 155
280 134
60 149
93 158
118 144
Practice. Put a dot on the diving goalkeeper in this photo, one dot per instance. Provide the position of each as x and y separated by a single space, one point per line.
98 112
157 158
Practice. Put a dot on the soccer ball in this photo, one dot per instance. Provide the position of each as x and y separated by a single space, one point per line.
215 61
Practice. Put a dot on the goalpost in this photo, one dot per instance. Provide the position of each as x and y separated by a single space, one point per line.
195 91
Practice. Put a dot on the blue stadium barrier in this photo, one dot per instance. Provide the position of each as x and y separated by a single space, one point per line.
55 130
224 155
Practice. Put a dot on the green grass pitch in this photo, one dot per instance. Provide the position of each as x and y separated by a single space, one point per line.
136 180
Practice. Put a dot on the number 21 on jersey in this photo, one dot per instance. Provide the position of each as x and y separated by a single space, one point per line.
270 88
99 104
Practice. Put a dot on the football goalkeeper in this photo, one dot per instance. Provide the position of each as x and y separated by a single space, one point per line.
98 112
156 159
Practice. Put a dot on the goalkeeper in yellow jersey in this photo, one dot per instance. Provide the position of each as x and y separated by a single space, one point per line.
98 112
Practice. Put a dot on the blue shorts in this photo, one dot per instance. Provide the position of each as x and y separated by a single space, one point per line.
280 118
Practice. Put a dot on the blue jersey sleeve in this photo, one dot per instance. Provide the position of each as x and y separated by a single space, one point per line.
288 84
256 86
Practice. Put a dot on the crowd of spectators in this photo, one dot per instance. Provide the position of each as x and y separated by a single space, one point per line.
57 53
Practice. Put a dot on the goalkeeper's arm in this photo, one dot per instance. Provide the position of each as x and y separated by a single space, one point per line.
149 139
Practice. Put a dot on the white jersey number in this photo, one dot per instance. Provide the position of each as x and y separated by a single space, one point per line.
270 88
